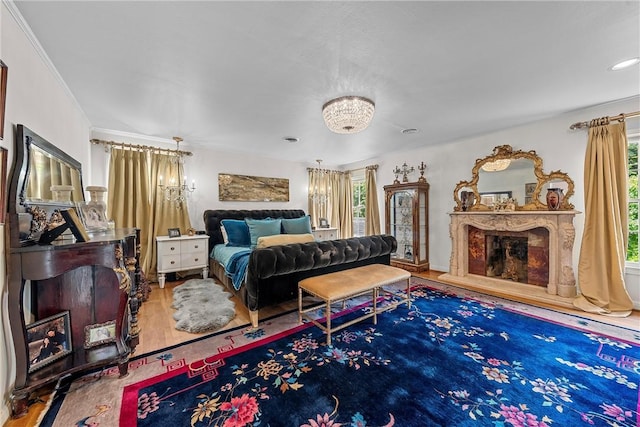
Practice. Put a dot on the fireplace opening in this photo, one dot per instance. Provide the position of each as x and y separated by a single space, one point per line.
507 258
518 256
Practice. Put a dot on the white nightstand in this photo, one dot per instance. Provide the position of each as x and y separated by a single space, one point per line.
182 253
325 233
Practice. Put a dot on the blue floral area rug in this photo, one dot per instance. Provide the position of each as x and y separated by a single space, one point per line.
448 360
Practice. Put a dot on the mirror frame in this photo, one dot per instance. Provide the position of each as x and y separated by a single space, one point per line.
506 152
30 218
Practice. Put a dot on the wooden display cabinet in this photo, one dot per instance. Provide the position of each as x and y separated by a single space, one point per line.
407 219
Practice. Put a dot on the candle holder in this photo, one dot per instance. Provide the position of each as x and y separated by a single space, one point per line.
405 171
422 168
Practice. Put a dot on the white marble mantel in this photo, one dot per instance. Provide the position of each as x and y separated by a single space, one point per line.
562 282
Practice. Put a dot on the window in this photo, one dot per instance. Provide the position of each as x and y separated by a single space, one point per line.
634 201
359 201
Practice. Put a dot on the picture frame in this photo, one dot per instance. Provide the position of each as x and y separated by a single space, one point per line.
173 232
529 188
99 334
94 216
49 340
75 225
323 223
4 71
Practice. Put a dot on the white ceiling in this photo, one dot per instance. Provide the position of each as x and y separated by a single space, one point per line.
240 76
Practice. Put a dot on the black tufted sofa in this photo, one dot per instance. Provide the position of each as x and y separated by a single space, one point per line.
274 272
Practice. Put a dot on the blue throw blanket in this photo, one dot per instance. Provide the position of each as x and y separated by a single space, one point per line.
236 267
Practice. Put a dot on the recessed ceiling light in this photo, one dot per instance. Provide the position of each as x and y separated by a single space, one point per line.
625 64
291 139
409 130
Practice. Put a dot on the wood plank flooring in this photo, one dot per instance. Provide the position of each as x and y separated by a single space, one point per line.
158 327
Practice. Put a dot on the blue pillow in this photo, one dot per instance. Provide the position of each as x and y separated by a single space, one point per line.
262 227
300 225
237 232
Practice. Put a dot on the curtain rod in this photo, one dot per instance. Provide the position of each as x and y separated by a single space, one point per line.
620 117
139 147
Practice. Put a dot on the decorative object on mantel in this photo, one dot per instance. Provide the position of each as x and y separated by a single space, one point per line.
554 198
348 114
422 168
505 205
246 188
523 176
405 171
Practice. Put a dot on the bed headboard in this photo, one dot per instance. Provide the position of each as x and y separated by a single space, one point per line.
212 219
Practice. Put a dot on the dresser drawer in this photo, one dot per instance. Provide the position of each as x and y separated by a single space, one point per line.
193 260
325 233
193 246
169 262
169 248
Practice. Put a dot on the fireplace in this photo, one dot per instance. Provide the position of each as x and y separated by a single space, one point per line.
528 253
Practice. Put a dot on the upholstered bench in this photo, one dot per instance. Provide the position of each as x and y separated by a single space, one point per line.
346 284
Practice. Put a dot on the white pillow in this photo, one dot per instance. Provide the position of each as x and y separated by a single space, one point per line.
283 239
225 238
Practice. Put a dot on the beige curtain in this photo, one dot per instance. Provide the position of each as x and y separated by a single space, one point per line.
134 199
330 197
371 208
604 240
342 203
165 214
128 196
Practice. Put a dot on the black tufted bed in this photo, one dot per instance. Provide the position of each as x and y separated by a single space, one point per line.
274 272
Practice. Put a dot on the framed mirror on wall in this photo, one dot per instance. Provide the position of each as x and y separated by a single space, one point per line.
515 177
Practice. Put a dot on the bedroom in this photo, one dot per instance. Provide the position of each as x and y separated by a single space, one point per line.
37 97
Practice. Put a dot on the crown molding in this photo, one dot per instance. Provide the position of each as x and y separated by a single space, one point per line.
132 135
26 29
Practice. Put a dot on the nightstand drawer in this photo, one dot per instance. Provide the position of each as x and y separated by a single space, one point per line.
325 233
193 246
193 260
169 262
168 248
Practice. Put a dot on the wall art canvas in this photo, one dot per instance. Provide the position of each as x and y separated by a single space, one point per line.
245 188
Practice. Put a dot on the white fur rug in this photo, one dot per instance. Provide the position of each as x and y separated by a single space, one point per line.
202 306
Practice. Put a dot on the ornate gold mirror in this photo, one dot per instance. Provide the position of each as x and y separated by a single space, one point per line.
509 180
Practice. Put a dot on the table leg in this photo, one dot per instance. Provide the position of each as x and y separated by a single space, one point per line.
328 316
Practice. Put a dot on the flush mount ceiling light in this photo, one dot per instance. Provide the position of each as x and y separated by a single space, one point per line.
625 64
348 114
496 165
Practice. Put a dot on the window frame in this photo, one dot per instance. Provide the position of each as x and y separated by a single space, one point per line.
358 176
633 267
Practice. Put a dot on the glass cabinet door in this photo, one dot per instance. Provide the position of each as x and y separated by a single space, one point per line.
401 223
407 219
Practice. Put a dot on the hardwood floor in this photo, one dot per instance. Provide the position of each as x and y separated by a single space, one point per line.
158 327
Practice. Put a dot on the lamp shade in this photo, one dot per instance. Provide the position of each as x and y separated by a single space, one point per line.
348 114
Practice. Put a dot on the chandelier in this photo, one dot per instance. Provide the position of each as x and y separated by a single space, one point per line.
496 165
348 114
174 191
319 191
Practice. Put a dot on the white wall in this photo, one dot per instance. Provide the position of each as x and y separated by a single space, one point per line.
37 99
447 164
